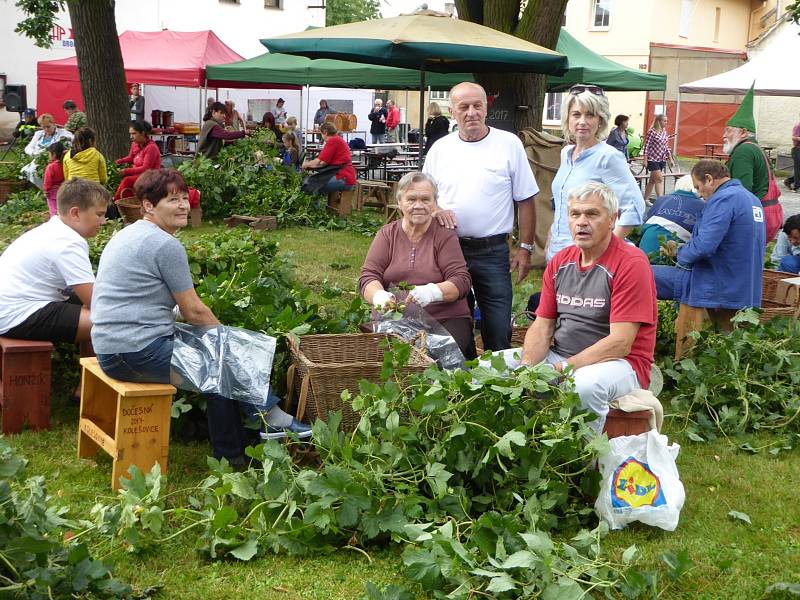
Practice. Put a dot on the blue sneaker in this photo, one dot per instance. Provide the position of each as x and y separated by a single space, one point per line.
272 432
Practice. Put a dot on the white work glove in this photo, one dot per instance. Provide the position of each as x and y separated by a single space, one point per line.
383 299
425 294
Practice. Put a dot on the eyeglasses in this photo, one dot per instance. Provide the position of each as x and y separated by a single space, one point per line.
580 88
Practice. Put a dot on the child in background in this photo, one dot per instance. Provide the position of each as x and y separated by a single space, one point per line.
291 127
84 160
54 175
291 152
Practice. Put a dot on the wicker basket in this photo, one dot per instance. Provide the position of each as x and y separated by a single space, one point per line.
771 305
323 366
130 209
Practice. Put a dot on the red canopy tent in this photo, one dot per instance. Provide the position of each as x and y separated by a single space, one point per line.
171 58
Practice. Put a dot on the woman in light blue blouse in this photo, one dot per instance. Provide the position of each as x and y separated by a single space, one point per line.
584 123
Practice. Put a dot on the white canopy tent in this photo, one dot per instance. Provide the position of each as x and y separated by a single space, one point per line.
769 66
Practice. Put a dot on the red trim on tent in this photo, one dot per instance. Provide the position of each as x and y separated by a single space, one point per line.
171 58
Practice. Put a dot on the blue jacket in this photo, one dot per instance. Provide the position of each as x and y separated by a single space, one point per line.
726 251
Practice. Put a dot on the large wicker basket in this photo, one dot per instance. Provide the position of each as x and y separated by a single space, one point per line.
323 366
771 304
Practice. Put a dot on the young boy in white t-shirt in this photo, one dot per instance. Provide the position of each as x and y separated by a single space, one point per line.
46 278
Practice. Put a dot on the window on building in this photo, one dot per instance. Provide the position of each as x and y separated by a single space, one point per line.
687 10
717 17
552 107
601 14
438 96
273 4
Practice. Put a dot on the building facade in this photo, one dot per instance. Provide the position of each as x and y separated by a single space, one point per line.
238 23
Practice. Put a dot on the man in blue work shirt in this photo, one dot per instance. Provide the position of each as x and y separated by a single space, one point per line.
720 266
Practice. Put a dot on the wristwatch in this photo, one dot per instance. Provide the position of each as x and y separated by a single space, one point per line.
528 247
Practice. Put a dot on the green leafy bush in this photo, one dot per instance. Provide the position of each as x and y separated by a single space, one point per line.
245 179
743 381
27 208
481 476
39 558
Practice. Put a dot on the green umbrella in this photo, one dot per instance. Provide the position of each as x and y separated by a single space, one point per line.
425 40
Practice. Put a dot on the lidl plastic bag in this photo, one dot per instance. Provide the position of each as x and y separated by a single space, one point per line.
640 482
232 362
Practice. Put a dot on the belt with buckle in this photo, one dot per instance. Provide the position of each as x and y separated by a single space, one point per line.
484 242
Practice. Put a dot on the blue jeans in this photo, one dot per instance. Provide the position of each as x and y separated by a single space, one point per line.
334 185
672 283
151 364
790 264
491 281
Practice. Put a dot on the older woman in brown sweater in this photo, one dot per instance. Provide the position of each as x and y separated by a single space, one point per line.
419 251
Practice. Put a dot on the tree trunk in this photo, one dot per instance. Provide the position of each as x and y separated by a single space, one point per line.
539 22
102 74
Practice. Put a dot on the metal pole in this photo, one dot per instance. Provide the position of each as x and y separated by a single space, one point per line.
203 100
677 127
421 110
301 109
408 124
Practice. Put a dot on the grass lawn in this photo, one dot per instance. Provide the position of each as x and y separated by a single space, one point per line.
730 559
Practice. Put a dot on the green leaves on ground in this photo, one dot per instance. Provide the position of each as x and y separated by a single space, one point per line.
743 381
40 557
480 475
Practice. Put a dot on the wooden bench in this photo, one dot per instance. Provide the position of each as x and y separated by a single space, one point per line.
690 318
25 368
373 193
129 421
341 202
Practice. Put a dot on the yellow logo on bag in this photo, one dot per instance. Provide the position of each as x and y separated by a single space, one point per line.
635 485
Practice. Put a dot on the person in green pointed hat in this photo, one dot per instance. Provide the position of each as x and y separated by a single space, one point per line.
748 163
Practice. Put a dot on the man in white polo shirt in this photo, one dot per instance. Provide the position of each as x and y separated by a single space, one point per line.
481 172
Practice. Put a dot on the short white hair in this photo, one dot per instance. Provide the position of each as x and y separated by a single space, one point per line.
595 189
685 184
407 180
595 104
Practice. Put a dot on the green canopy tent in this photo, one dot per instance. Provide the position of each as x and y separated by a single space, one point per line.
324 72
586 66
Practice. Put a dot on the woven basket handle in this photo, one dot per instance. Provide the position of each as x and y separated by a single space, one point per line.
422 338
301 403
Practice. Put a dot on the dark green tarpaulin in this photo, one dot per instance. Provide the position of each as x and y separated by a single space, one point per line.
585 67
323 72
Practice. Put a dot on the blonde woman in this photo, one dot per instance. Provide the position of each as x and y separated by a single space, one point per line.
656 154
584 121
436 127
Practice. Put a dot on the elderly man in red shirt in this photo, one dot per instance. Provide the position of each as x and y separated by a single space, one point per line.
598 313
335 152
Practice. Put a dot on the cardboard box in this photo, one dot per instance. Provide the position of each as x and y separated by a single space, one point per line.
788 291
